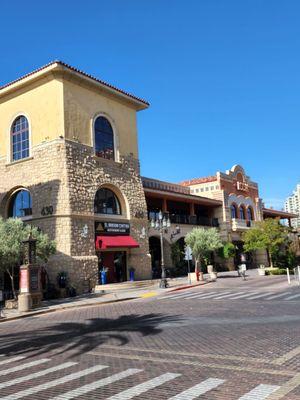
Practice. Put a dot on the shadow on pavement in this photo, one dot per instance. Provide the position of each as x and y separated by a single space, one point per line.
80 337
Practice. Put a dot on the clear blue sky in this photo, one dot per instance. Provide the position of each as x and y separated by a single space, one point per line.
222 76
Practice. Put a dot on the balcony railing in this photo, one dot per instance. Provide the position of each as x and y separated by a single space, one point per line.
188 219
240 224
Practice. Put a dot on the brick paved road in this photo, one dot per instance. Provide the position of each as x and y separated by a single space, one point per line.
177 348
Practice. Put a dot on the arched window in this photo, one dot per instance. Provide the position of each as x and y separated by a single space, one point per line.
20 138
250 214
104 139
233 211
106 202
242 212
20 205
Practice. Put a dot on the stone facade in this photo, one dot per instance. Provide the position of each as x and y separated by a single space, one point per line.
66 175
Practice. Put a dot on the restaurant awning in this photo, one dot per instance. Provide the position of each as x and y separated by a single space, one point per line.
111 242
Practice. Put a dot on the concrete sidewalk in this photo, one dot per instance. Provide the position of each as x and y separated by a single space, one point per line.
93 299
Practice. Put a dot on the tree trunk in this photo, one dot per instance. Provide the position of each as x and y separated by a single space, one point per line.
271 259
11 275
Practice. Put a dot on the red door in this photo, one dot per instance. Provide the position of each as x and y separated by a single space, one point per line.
108 262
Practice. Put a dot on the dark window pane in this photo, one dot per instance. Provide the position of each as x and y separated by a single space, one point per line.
106 202
20 205
20 138
104 138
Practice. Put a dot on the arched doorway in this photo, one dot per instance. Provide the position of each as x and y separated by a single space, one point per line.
155 251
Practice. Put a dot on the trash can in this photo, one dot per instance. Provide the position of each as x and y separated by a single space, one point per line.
103 277
131 274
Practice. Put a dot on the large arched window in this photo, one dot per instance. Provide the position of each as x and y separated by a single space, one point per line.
20 204
106 202
20 138
233 211
242 212
104 138
250 214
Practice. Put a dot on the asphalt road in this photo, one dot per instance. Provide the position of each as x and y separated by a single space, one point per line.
223 341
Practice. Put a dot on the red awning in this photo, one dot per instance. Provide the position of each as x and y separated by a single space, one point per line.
110 242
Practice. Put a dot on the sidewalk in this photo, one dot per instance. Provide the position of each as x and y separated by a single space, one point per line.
92 299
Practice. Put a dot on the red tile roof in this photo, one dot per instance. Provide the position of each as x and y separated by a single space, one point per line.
77 71
196 181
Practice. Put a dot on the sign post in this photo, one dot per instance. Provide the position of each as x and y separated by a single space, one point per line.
188 257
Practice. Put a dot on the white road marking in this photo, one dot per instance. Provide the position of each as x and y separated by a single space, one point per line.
97 384
10 360
199 389
259 296
23 366
48 385
36 375
292 297
144 387
261 392
275 296
228 295
175 296
205 296
241 296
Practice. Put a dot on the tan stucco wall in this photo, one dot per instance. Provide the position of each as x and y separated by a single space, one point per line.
83 104
42 103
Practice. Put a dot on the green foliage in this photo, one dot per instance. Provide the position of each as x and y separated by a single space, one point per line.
268 234
203 242
227 250
279 271
12 233
176 254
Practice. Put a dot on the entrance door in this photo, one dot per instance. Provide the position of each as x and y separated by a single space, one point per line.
115 263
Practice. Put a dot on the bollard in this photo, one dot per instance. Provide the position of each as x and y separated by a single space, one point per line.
288 275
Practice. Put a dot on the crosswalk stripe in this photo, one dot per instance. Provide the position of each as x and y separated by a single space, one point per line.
97 384
23 366
261 392
10 360
59 381
199 389
175 296
241 296
292 297
36 374
144 387
205 296
260 295
223 296
275 296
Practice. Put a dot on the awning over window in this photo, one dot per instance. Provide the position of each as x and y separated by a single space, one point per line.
111 242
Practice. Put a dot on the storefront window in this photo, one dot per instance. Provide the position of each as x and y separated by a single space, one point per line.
20 205
104 139
106 202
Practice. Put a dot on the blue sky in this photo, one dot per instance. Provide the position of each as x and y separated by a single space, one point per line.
222 77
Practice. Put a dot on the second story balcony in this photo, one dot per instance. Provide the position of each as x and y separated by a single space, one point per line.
241 224
187 219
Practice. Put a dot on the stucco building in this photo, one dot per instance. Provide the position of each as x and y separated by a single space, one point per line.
69 164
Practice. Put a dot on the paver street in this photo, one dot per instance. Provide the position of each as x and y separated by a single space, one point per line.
206 342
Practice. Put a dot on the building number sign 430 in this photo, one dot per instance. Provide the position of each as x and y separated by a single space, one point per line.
47 210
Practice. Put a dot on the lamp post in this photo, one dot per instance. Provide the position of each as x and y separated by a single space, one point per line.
162 223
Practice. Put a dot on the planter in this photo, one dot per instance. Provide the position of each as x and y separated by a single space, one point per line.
213 276
11 304
210 269
261 272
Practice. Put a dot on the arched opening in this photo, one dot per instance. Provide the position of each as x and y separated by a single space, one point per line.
155 251
20 204
107 202
242 212
250 215
104 138
20 138
233 209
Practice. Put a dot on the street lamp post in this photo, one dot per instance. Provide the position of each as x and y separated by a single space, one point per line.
162 223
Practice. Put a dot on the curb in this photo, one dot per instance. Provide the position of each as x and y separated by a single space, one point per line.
42 312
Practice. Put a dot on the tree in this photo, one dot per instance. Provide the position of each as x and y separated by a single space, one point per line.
203 242
12 233
268 234
227 250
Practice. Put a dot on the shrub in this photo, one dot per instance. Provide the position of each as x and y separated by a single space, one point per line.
278 271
